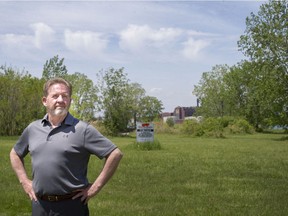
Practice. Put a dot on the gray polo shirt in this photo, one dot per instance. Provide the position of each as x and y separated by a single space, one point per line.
60 156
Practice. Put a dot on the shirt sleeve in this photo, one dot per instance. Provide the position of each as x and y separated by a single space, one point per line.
22 146
97 144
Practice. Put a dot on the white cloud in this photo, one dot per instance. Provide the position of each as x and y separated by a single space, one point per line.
44 34
192 48
168 44
14 39
155 90
136 37
194 33
15 46
85 41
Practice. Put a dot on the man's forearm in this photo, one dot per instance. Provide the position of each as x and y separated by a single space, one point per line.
110 166
18 166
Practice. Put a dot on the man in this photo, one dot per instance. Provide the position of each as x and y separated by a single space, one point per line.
60 146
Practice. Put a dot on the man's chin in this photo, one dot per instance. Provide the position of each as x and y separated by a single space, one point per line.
60 112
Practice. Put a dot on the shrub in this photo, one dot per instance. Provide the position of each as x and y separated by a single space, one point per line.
241 126
210 127
213 127
100 127
162 128
170 122
189 127
226 121
207 127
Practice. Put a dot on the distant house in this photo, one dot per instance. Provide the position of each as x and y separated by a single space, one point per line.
167 115
179 114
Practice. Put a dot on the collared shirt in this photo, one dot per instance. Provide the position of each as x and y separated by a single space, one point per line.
60 155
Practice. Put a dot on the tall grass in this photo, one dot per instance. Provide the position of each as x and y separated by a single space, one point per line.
238 175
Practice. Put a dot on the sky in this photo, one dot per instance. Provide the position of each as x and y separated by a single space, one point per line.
165 46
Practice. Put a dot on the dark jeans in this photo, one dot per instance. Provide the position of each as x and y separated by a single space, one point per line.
62 208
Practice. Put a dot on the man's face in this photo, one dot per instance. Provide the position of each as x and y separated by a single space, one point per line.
58 100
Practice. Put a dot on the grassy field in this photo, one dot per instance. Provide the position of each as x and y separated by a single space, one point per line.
238 175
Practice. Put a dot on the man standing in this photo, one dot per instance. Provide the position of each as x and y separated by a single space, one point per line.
60 147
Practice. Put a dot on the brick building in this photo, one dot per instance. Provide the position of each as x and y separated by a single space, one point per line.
179 114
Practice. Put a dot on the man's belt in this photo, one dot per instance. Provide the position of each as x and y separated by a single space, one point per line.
57 198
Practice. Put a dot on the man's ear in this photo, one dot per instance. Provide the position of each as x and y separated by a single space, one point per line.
44 101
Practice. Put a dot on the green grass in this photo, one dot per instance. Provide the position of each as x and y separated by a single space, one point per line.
239 175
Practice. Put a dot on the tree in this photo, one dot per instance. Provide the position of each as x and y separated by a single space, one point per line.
265 38
54 68
135 94
84 96
124 103
243 90
114 85
212 92
20 100
250 91
150 108
265 43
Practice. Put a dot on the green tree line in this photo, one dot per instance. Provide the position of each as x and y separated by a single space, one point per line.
256 88
122 102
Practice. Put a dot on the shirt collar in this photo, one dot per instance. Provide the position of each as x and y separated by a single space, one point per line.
67 121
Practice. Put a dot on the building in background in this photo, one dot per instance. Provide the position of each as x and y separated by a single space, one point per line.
179 114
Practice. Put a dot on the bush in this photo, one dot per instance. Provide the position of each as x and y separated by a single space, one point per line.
170 122
216 127
163 128
189 127
100 127
213 127
226 121
241 126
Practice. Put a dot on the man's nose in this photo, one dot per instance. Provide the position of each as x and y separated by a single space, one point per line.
60 98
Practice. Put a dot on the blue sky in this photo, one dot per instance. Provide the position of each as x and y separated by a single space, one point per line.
163 45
